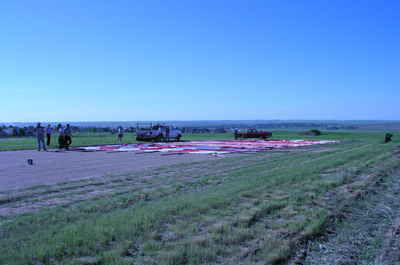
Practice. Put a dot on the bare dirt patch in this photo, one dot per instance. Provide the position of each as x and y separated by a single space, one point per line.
146 184
53 167
82 176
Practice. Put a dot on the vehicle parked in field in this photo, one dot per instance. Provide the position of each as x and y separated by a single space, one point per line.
252 133
158 133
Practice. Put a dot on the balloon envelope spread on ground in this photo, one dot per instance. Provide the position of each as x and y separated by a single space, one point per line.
206 147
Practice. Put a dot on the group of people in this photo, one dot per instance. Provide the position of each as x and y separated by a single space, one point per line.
64 136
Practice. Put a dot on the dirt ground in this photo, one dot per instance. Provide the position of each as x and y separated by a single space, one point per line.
151 183
53 167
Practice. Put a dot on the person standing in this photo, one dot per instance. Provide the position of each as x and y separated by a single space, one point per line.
40 137
49 131
236 133
167 133
120 133
61 136
68 136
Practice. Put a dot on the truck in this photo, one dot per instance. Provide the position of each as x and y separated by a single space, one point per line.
252 133
158 133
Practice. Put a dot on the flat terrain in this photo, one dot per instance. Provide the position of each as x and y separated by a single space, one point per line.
53 167
92 138
370 233
265 208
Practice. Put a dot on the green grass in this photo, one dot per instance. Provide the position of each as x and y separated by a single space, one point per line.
85 139
79 139
252 213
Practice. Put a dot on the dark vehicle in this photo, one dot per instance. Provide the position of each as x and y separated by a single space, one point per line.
252 133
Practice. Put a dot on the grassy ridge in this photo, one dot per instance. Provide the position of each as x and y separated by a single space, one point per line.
247 215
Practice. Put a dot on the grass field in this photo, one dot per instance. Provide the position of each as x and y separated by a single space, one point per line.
242 209
85 139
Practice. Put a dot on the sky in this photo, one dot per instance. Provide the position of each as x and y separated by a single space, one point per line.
121 60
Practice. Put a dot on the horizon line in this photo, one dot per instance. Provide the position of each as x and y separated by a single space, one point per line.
211 120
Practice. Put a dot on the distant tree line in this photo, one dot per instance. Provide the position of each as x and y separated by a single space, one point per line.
15 131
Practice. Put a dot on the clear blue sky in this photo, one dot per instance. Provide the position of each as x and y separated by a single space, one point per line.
199 60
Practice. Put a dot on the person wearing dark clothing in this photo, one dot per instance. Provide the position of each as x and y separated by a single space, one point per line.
167 133
49 131
120 133
61 136
40 137
68 136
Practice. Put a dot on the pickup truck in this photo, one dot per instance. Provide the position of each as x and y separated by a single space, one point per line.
252 133
158 133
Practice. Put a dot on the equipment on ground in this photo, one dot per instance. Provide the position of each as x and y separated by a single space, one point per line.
388 137
252 133
158 133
